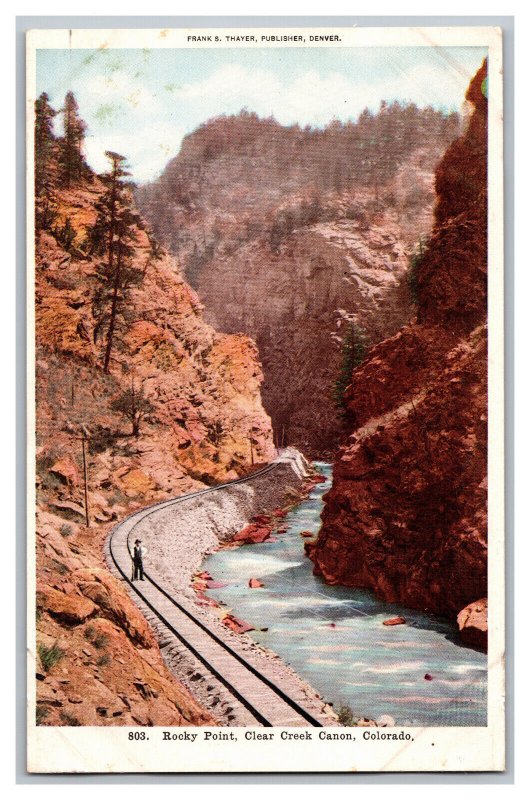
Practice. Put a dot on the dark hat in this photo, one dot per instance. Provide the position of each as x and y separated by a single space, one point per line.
138 541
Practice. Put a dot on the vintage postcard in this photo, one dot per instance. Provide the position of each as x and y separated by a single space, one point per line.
265 410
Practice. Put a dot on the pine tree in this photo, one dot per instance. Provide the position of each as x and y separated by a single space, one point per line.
113 236
65 234
72 160
354 345
44 141
413 271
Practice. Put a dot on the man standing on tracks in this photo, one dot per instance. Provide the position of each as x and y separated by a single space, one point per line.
138 560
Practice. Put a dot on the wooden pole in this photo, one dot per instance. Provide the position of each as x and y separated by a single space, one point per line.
83 441
133 406
251 448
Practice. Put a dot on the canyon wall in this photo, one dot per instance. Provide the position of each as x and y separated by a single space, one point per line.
97 660
292 235
407 512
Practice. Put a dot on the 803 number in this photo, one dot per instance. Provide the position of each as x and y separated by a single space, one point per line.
137 735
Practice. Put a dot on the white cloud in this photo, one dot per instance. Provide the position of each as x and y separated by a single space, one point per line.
315 99
132 115
147 148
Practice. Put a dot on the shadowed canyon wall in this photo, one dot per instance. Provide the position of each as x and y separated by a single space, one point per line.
291 235
407 512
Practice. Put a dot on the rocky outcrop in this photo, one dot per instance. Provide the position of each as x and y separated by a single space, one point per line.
473 624
290 235
407 512
97 660
309 281
207 423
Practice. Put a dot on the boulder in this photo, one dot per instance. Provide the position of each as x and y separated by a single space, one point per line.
255 583
69 506
395 621
48 696
66 470
204 575
69 608
114 603
253 534
136 482
473 624
236 625
261 519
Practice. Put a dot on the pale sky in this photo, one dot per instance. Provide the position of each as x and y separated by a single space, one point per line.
141 103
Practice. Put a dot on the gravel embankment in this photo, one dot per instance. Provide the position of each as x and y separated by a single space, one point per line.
178 539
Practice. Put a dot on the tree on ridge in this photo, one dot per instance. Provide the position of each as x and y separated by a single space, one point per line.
113 236
72 159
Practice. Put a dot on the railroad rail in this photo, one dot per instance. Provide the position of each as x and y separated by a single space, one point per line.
266 702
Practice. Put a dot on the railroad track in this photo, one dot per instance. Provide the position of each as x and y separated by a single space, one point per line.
266 702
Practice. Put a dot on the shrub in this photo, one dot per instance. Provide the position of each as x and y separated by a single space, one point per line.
101 439
65 235
45 215
49 656
40 714
346 717
61 568
103 660
100 641
69 719
353 348
90 632
65 530
134 406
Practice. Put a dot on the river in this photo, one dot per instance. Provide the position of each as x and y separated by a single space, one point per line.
418 673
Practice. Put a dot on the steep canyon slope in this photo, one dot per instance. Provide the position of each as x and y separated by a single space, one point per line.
291 236
407 512
193 396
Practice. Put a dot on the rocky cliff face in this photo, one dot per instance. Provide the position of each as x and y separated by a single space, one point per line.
290 235
98 663
407 513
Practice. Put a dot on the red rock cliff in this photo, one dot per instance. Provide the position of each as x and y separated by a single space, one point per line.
97 660
406 515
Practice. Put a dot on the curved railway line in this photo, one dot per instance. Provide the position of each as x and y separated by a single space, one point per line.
266 702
